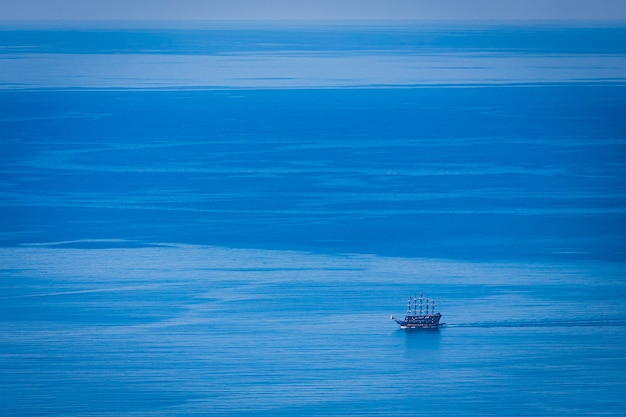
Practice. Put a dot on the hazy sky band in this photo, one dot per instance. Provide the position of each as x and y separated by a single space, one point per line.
312 10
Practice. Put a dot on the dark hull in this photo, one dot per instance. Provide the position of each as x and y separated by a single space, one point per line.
424 321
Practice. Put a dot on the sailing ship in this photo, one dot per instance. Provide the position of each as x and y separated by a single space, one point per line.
420 319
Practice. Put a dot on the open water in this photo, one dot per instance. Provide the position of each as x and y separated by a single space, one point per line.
219 219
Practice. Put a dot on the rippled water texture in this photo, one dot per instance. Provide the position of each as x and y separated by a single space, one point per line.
219 220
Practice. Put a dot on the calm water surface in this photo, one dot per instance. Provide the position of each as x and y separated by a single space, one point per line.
220 220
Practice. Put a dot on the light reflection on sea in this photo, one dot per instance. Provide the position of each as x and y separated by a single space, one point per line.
186 329
293 71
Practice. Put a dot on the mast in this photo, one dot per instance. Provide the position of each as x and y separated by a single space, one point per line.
420 303
415 306
433 307
408 310
427 305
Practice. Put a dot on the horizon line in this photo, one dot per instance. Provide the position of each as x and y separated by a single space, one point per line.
505 21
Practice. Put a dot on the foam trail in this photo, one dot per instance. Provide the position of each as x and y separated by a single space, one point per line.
545 323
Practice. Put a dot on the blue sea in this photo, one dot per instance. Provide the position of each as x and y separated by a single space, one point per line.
218 219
